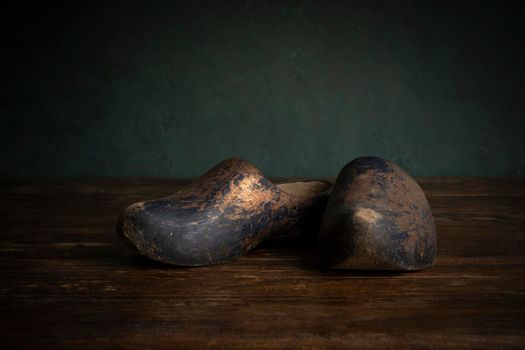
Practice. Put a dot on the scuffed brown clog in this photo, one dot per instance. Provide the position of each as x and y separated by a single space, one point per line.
377 218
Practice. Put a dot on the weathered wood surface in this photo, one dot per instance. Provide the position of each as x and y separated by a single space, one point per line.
67 281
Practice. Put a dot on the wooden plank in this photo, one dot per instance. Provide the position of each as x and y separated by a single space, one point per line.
67 282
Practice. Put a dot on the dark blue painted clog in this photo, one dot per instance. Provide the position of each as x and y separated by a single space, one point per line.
222 215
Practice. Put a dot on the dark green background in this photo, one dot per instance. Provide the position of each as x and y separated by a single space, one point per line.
168 88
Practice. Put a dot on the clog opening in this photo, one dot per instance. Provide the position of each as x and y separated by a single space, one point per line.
304 188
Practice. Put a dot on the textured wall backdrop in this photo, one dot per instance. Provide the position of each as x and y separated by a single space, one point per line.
169 88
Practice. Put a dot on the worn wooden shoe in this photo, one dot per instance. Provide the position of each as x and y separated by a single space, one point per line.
222 215
377 218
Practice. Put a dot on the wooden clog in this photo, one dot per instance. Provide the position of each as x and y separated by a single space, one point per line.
222 215
377 218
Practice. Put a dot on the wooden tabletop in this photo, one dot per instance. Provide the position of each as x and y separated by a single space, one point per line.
67 282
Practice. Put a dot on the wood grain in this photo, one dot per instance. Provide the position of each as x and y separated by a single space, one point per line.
67 282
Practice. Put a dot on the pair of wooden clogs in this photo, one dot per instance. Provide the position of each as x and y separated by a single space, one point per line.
375 216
